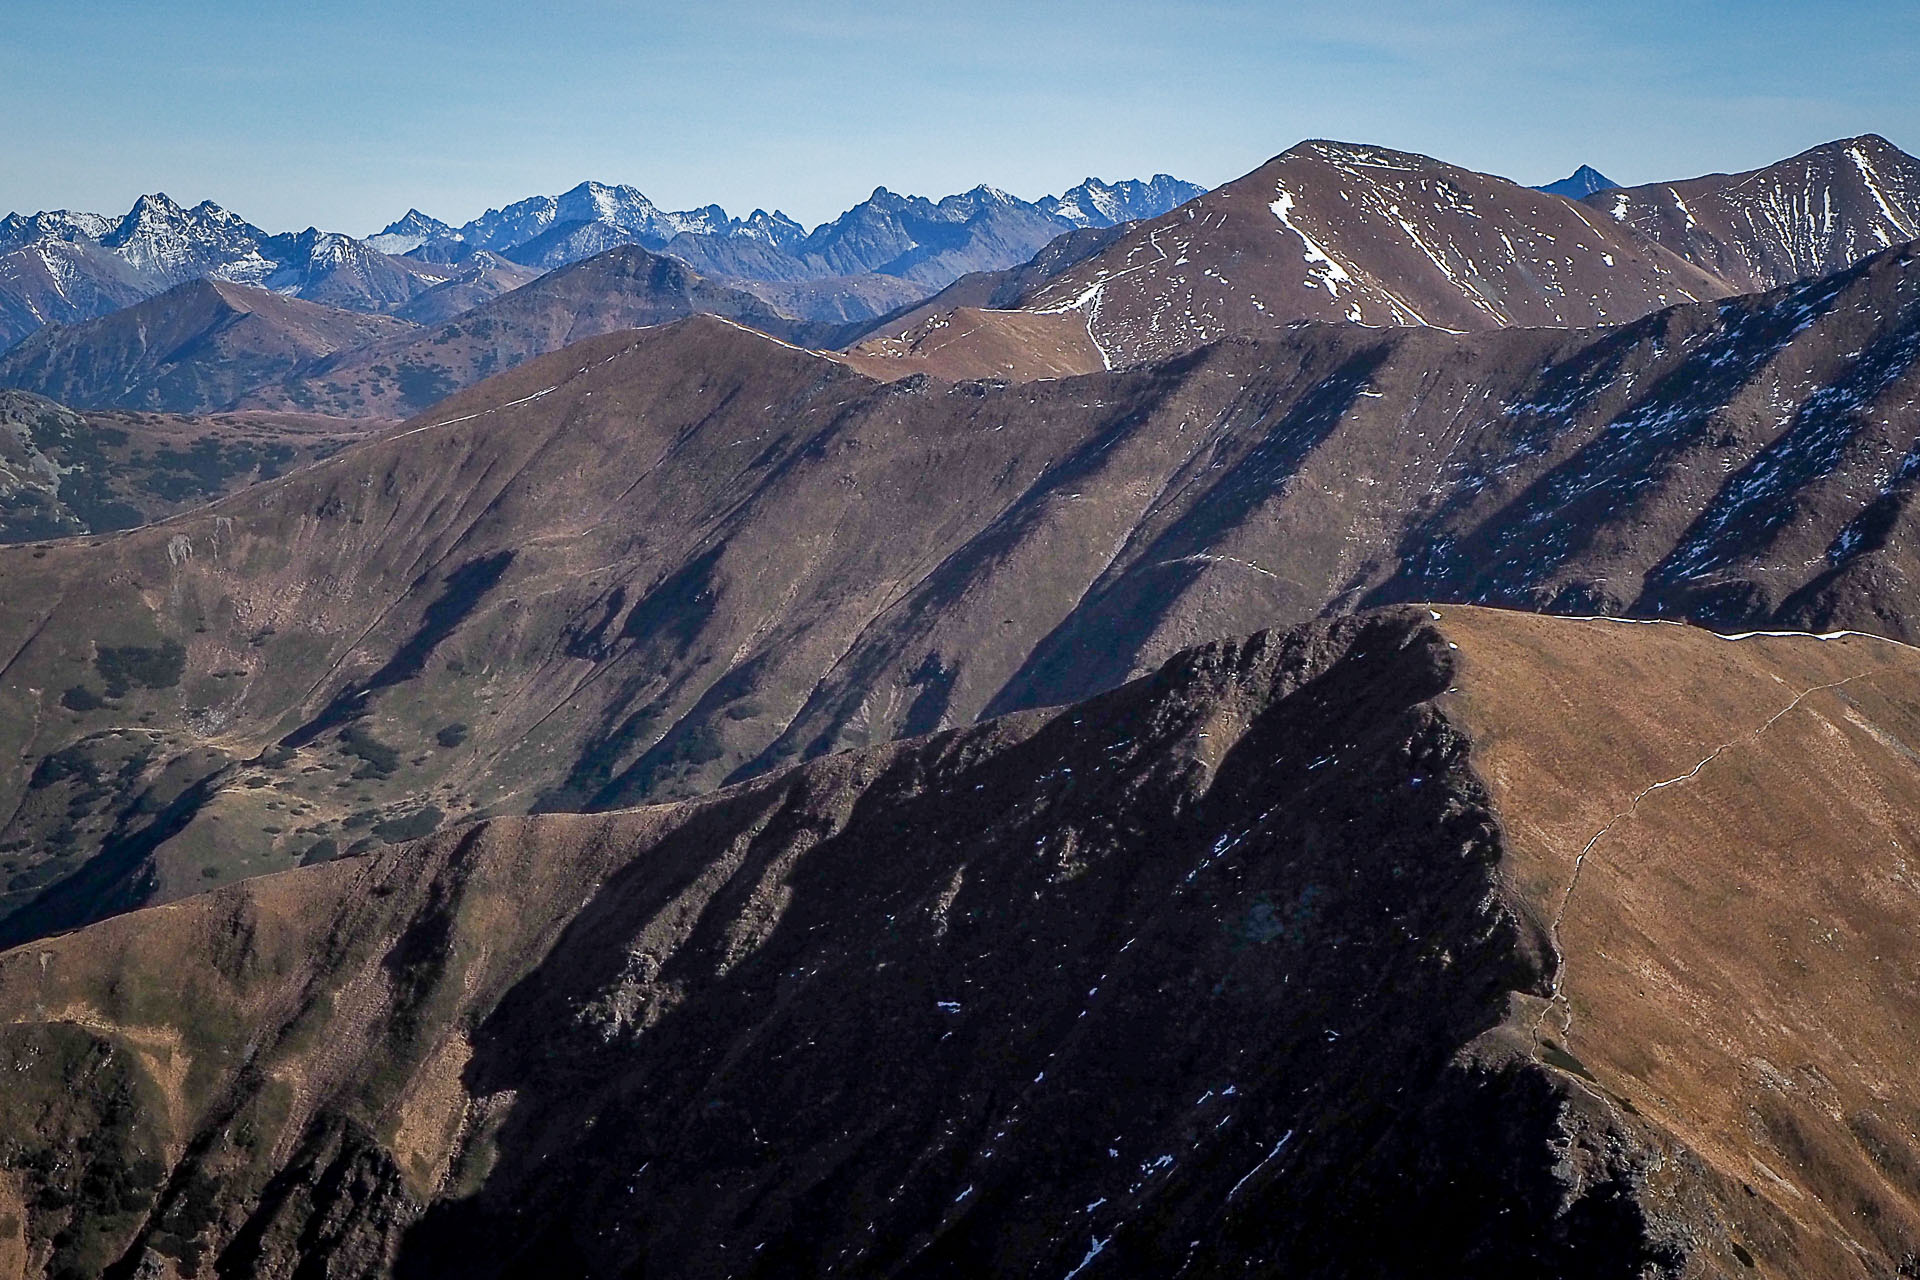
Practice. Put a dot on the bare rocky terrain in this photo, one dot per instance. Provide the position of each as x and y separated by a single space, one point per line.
1338 231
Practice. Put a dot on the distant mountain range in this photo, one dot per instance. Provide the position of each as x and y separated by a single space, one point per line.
1327 231
62 267
59 267
624 288
1072 783
886 233
210 347
887 251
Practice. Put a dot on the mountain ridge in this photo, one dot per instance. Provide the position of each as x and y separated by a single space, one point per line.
1379 237
1268 958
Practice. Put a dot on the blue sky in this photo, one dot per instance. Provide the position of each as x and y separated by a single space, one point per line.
345 112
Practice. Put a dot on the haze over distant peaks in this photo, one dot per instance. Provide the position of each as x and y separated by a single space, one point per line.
925 243
1099 204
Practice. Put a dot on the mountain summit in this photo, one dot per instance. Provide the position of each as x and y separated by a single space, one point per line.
1584 181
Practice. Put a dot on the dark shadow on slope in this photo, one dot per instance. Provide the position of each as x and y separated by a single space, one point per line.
836 697
1096 646
1042 965
1557 516
659 631
118 878
1759 500
460 594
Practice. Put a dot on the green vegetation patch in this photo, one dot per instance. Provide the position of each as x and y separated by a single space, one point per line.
421 822
421 385
81 698
125 667
378 760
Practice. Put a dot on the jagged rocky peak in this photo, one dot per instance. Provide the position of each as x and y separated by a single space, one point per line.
774 228
1094 203
53 224
409 232
596 201
1584 181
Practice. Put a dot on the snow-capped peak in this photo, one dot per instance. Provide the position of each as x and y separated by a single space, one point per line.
1094 203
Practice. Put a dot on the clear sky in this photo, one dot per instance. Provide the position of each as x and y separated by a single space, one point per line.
345 112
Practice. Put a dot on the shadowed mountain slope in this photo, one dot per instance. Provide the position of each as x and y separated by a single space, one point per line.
200 347
1325 953
663 559
1819 212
